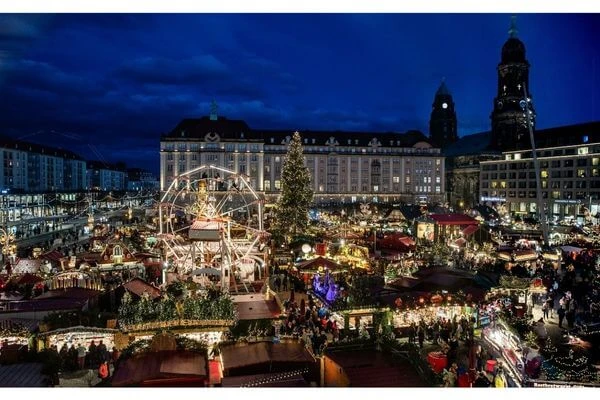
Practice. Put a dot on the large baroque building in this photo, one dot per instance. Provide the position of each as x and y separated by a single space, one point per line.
345 167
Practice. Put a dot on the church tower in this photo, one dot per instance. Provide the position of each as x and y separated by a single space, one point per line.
442 124
509 123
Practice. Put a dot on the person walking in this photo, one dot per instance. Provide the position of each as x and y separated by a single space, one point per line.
561 316
545 309
421 335
411 333
81 355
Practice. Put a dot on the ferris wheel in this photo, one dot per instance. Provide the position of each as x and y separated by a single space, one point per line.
211 224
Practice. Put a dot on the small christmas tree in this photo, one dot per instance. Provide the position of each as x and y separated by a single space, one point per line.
291 213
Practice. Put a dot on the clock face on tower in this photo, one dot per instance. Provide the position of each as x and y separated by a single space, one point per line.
444 105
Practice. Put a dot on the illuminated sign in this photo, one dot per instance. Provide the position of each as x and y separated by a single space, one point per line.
487 198
568 201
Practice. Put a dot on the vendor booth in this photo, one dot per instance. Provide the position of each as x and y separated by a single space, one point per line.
506 346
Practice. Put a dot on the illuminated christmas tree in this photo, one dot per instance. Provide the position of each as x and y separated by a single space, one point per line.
291 214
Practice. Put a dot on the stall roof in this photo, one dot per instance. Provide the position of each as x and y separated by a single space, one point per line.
53 255
469 230
571 249
139 286
313 264
234 356
75 293
368 368
453 219
22 375
160 365
27 266
279 379
255 306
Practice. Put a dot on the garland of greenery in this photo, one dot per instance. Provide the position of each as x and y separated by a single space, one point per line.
212 306
513 282
15 330
144 345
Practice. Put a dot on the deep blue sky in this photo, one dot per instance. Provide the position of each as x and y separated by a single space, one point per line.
107 85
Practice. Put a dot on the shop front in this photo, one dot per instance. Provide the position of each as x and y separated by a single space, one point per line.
507 349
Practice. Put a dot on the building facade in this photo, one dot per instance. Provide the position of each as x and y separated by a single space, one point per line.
104 177
345 166
139 179
29 167
570 174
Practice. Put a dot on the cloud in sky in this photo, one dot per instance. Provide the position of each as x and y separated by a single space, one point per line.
127 78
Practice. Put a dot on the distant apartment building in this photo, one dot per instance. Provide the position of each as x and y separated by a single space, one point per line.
140 179
344 166
105 177
30 167
569 163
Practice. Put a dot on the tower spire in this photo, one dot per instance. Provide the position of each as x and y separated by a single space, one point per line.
512 32
213 110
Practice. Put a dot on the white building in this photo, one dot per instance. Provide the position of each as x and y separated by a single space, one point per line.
345 166
31 167
569 177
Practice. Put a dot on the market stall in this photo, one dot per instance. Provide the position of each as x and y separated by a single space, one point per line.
507 347
403 318
75 335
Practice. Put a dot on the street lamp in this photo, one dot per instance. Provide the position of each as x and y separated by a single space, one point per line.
540 205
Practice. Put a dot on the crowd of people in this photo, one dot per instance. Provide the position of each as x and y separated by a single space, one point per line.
313 325
76 356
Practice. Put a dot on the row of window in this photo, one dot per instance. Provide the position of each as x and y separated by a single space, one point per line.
531 194
570 151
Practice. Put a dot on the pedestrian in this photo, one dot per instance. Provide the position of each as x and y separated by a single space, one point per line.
102 352
421 334
411 333
92 357
550 302
81 356
545 309
115 356
561 316
277 283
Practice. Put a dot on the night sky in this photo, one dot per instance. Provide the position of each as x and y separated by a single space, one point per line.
107 85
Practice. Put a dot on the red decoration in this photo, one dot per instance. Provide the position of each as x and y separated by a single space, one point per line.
321 249
437 360
436 299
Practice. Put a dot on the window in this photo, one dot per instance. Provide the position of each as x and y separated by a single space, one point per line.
582 150
267 185
396 179
277 184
